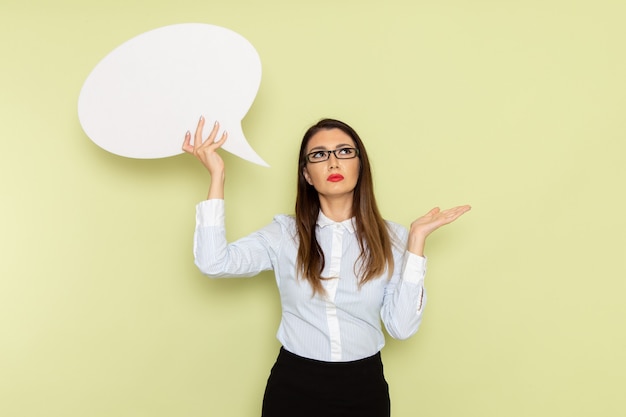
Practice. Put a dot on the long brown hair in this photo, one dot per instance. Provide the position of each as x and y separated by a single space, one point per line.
371 230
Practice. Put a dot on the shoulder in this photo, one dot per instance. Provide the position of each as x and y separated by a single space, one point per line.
280 230
397 232
285 219
396 227
286 222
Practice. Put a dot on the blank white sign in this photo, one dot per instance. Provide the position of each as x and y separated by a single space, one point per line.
139 101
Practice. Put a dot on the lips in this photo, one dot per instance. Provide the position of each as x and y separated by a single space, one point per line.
335 178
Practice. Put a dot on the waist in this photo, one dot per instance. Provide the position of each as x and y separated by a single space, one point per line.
287 358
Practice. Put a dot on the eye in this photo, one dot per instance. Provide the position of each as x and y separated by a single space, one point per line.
346 151
317 155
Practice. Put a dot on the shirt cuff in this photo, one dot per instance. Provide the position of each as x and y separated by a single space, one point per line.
414 268
210 213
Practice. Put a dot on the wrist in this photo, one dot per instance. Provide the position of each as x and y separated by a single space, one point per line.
216 189
416 244
217 174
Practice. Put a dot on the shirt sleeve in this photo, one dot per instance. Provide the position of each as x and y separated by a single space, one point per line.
217 258
405 295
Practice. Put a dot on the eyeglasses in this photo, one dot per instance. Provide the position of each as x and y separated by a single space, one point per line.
321 156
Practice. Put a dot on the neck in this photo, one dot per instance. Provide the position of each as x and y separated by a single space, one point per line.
337 208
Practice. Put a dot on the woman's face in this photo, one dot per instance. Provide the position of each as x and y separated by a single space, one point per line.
333 177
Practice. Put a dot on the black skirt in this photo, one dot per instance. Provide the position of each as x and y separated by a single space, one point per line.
301 387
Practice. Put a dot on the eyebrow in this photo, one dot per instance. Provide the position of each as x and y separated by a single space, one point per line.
323 148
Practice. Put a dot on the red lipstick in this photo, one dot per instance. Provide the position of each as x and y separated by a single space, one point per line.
335 178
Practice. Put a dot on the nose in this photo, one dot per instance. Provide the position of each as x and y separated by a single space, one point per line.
333 161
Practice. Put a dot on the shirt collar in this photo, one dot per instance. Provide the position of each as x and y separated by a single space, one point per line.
323 221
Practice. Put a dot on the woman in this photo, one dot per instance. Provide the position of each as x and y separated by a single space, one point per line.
340 268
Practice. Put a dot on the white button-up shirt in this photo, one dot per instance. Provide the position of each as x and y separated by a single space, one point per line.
344 324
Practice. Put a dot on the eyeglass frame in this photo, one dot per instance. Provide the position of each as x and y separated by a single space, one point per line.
328 152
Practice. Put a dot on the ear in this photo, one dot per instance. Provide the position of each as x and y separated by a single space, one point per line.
307 177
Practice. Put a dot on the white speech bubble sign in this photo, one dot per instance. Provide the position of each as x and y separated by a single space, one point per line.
139 101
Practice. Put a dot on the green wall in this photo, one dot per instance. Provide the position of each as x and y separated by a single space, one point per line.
516 107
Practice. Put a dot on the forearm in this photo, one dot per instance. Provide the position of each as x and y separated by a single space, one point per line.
216 189
405 298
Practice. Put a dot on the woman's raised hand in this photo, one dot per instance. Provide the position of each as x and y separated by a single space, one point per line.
428 223
206 151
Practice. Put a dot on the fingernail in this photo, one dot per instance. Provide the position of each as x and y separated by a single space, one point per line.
201 118
188 133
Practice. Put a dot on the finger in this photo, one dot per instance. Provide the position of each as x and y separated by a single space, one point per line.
211 139
197 137
433 211
456 212
461 209
187 147
457 208
221 141
215 144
